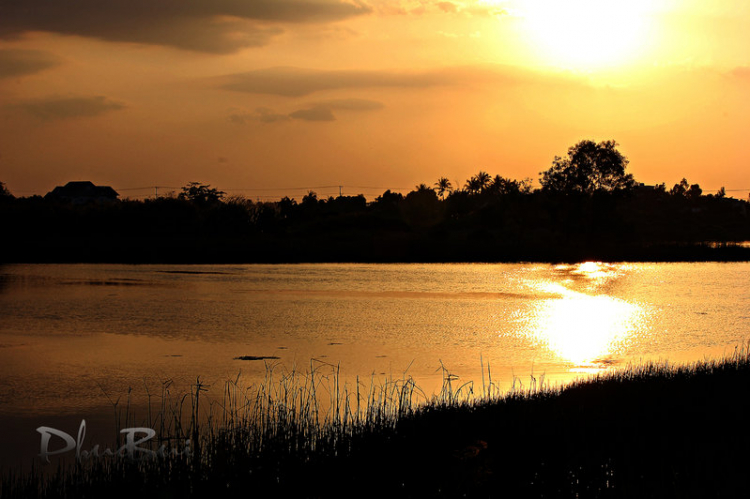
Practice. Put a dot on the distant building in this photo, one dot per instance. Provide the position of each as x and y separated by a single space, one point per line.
83 192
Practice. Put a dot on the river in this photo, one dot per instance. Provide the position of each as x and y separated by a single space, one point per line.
75 339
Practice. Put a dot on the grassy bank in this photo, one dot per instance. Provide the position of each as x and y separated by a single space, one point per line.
651 430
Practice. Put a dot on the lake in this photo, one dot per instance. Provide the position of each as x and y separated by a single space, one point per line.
75 339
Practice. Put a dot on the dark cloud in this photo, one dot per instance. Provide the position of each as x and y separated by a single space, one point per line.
203 25
323 111
262 114
316 113
297 82
320 111
56 108
15 62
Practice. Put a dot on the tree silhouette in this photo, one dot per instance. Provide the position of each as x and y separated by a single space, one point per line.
4 192
694 192
478 183
443 185
421 207
505 186
684 189
200 193
679 189
588 168
310 199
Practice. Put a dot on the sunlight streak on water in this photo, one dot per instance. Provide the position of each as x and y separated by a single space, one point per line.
581 328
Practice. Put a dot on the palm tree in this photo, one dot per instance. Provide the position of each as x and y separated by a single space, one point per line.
484 180
478 182
472 185
443 185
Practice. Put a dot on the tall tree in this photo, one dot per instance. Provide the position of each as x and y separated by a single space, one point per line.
589 167
443 185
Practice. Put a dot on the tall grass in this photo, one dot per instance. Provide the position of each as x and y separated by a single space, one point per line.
649 430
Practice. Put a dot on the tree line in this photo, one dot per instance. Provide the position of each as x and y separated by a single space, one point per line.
588 206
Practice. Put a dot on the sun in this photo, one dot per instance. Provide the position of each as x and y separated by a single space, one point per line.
585 34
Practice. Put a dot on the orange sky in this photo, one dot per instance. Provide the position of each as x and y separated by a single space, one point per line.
263 94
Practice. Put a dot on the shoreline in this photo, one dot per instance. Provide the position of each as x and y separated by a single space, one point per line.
234 251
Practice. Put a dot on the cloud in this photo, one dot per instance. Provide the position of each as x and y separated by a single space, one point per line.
319 111
56 108
219 26
742 72
316 113
15 62
323 111
262 114
447 7
423 7
298 82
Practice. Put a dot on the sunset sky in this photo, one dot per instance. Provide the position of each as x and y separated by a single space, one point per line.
255 95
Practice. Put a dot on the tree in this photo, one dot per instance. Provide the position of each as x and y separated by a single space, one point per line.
588 168
478 183
200 193
694 192
421 207
507 186
4 192
721 193
680 189
389 198
310 199
443 185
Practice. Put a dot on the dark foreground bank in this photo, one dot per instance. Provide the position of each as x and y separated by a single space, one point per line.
649 431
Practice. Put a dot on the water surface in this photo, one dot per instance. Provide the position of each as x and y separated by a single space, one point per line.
74 338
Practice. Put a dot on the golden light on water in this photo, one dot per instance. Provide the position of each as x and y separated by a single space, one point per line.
584 328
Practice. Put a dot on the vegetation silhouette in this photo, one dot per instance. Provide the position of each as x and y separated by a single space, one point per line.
202 194
588 207
588 169
4 192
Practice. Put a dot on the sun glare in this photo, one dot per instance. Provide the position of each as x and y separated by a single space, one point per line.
585 34
585 329
581 328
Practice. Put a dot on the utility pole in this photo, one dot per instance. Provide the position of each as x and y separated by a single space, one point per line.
156 192
340 187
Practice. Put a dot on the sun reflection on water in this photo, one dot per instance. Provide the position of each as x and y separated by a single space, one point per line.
588 328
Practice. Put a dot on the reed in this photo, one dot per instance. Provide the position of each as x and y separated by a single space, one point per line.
649 430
